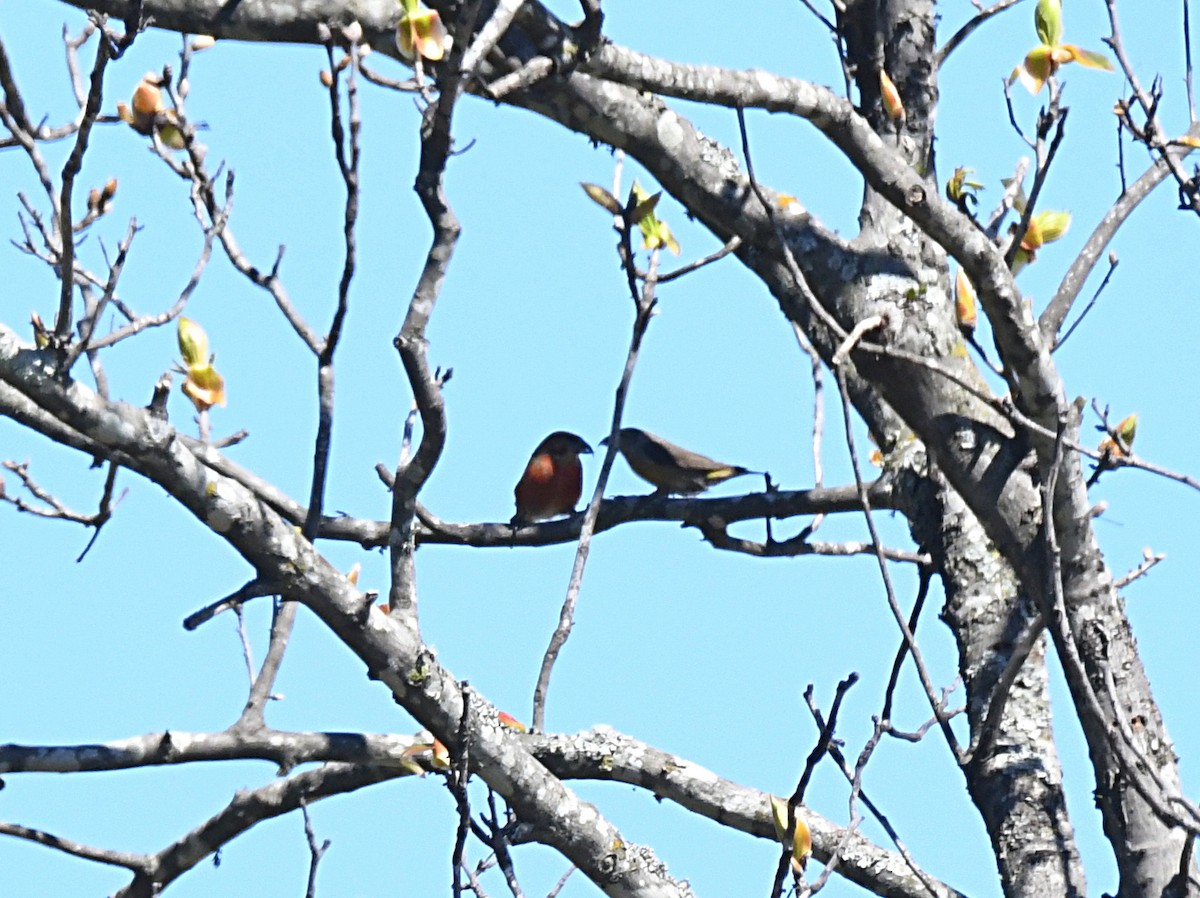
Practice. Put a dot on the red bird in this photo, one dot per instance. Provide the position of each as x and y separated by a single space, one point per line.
553 479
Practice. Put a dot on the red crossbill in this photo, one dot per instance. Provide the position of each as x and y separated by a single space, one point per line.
671 468
553 479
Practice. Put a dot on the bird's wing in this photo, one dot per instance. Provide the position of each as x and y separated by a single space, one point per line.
659 454
694 461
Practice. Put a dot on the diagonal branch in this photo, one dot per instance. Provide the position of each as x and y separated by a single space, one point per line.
1059 306
645 303
247 809
968 28
136 862
391 652
605 754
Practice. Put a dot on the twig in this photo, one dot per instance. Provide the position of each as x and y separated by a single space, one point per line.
1150 559
489 35
252 590
965 31
1056 116
854 778
985 734
12 114
562 881
860 767
91 318
457 783
819 750
789 257
104 513
13 105
644 308
717 534
820 17
860 330
1153 134
1133 461
1117 739
926 576
526 76
244 638
1012 115
142 322
1187 56
732 246
405 85
204 203
909 640
1113 262
473 882
347 160
497 839
315 851
918 734
247 809
1057 309
72 168
135 862
283 618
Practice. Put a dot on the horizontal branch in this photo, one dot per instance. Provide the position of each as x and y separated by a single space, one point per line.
688 511
284 749
598 754
255 20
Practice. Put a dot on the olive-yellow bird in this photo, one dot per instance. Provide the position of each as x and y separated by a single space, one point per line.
671 468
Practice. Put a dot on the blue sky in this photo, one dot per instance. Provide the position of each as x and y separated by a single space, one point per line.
695 651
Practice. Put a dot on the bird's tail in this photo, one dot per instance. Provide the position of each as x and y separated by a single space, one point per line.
722 474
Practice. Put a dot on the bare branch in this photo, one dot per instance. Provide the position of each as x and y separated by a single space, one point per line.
1187 56
604 754
252 590
1059 307
74 164
135 862
717 534
247 809
926 576
910 640
730 247
1154 134
1150 560
644 305
315 851
969 27
1055 117
1113 262
489 35
819 750
283 749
